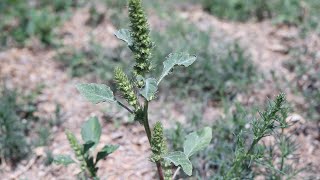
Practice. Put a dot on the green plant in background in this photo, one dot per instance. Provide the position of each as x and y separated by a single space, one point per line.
59 5
92 60
20 128
13 142
90 132
223 70
117 12
95 17
38 23
237 9
294 12
21 20
141 86
274 117
305 66
285 150
247 155
239 149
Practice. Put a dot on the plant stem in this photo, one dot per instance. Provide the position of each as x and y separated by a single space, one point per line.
176 173
146 121
237 163
282 155
148 132
124 106
252 146
160 172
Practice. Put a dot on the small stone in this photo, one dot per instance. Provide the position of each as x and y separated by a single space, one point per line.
39 151
279 48
294 118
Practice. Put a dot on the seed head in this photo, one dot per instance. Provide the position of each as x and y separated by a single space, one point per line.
125 87
158 143
142 44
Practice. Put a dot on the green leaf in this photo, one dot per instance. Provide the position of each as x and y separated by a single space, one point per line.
87 146
197 141
91 130
124 35
179 158
96 93
150 88
90 164
181 59
63 159
106 150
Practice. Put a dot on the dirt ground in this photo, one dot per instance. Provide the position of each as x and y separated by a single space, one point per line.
28 67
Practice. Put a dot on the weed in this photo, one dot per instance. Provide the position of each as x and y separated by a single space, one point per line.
246 150
305 66
232 72
20 128
59 5
13 143
234 9
43 137
95 17
58 116
218 71
48 159
293 12
91 132
21 21
139 85
92 60
117 12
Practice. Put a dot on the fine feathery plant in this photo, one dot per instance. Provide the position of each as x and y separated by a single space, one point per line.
239 150
13 142
270 122
138 91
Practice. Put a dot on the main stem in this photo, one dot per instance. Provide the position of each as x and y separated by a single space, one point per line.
148 132
282 156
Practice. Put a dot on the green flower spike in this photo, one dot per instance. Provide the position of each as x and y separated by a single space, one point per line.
77 149
126 88
159 149
158 143
142 44
167 170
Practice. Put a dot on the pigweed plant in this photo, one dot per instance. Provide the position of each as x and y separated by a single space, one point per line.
138 91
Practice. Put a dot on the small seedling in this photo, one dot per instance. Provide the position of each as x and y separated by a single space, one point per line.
90 132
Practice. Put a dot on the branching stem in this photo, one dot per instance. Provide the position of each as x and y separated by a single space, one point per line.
148 132
126 107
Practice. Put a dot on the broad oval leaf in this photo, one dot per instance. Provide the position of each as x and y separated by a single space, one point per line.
91 130
106 150
178 158
150 89
96 93
197 141
181 59
63 159
124 35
